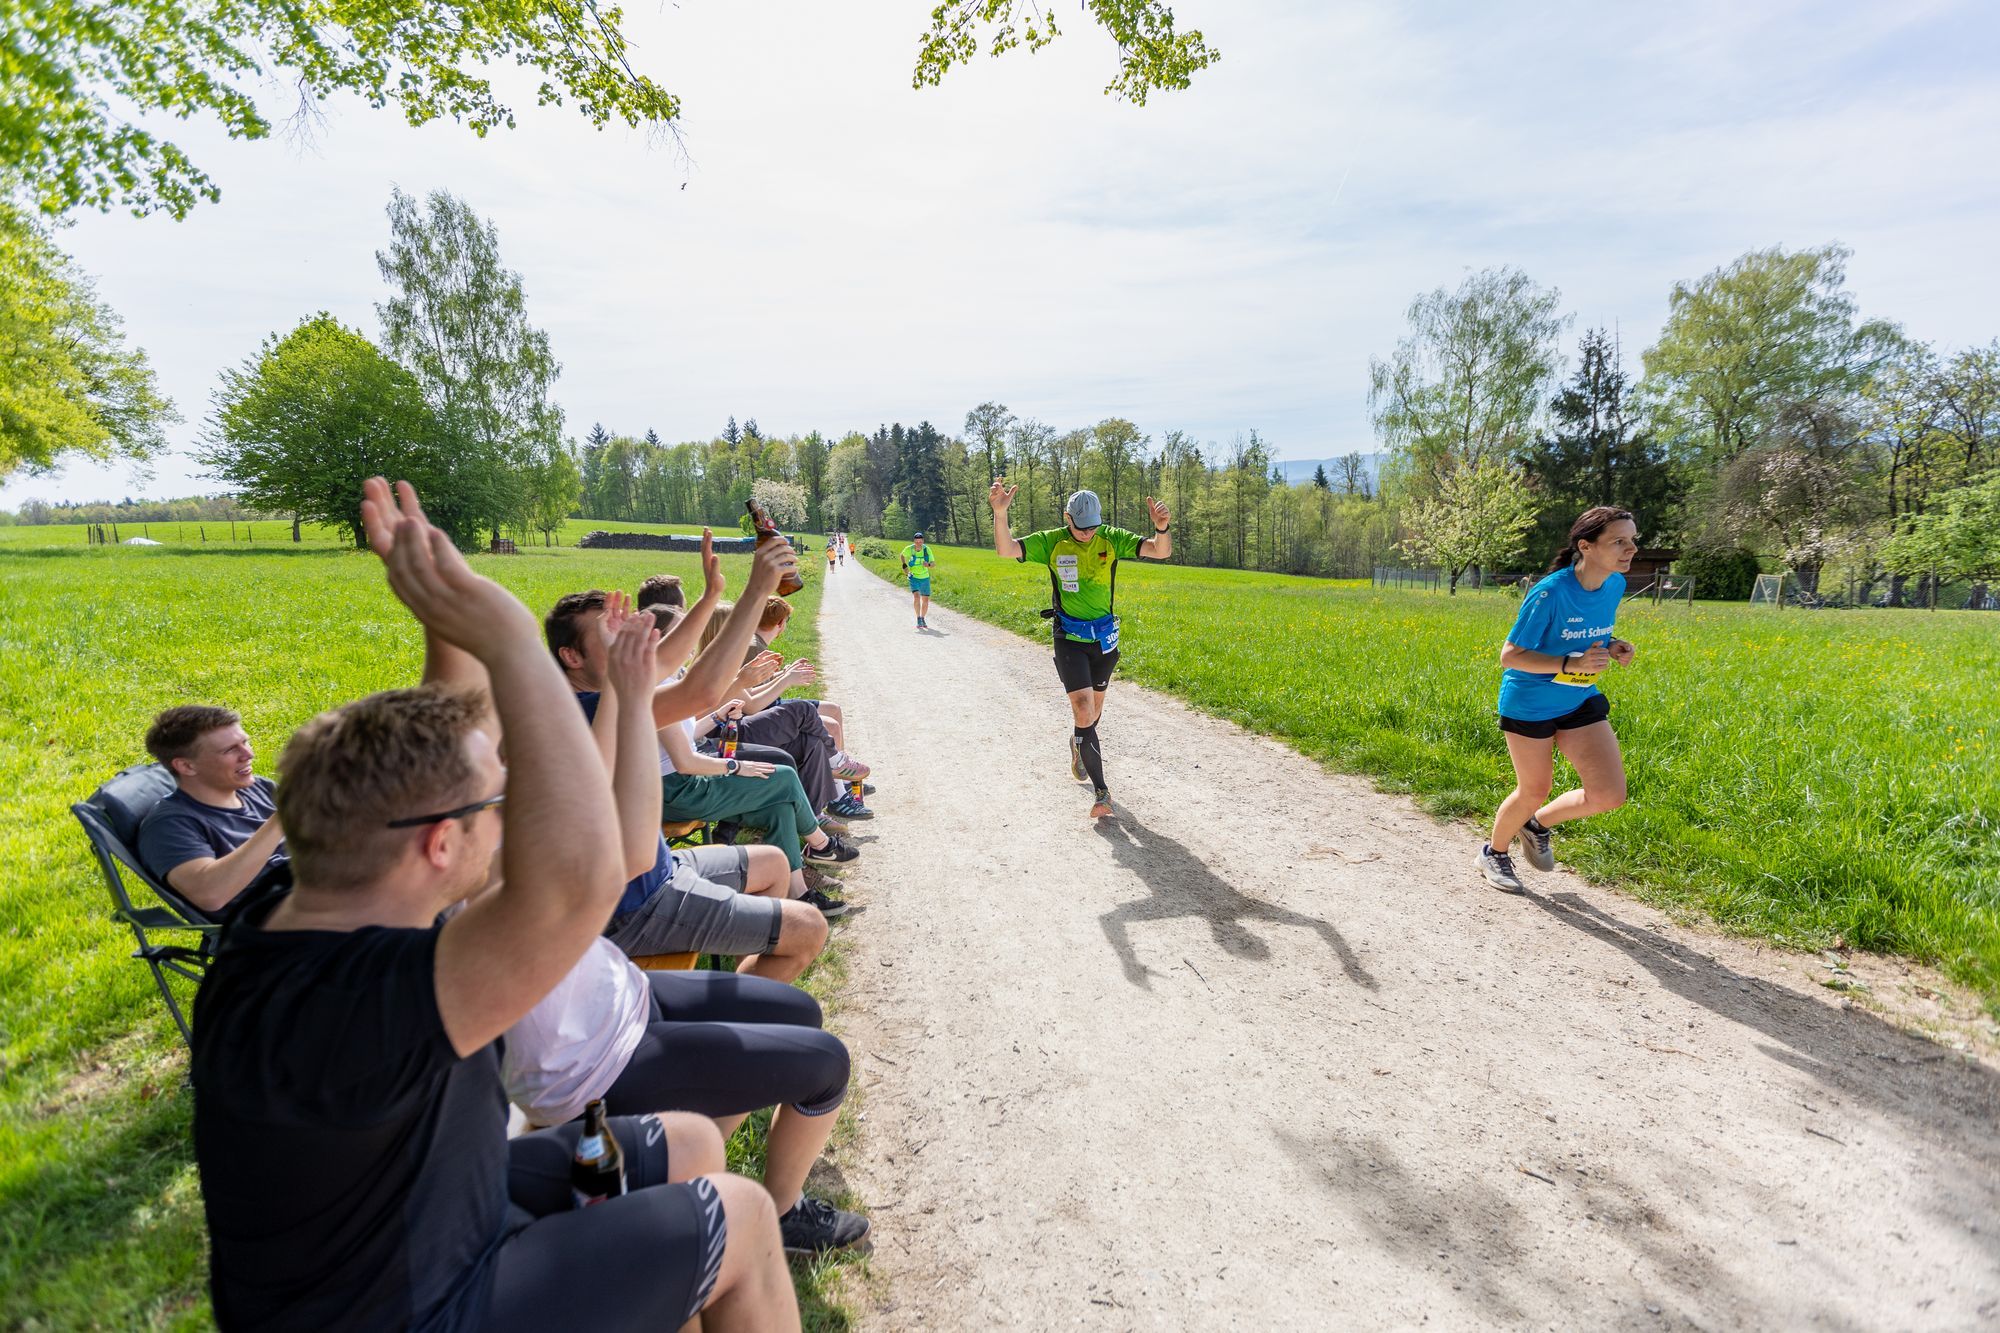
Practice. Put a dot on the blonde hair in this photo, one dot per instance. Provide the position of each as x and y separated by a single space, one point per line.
348 772
713 629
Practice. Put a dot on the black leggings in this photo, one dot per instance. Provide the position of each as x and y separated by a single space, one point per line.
723 1044
673 1234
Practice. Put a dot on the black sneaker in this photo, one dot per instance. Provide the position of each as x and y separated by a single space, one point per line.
837 850
830 908
815 1226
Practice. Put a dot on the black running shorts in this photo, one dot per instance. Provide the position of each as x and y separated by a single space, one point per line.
1083 666
1593 710
647 1260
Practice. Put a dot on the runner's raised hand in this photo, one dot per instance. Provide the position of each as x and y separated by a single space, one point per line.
1159 512
1000 495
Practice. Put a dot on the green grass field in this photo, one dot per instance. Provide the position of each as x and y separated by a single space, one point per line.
278 533
1799 775
100 1214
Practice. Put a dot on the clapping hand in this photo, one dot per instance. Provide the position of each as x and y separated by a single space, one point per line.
801 672
712 582
429 576
631 667
761 667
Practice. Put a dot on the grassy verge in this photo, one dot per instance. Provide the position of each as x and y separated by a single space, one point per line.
100 1214
1797 775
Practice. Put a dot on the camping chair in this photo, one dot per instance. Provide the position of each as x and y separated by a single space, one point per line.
110 818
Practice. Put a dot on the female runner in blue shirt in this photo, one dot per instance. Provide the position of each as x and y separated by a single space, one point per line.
1549 698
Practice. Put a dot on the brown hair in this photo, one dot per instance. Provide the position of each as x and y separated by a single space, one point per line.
1588 525
347 773
713 629
177 730
661 590
559 626
776 612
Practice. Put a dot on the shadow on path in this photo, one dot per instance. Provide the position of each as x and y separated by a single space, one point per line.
1182 886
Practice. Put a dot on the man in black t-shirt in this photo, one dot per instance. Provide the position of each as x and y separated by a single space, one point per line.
350 1122
217 834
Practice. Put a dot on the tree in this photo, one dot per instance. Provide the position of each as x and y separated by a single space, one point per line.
1806 488
555 485
1480 516
1320 478
1117 440
297 428
1958 539
1749 341
1466 385
732 434
1595 455
72 71
783 502
897 523
459 323
1353 475
70 384
1151 55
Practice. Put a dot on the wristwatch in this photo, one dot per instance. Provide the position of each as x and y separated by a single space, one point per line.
729 767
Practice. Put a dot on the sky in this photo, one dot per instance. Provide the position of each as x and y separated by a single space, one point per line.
831 249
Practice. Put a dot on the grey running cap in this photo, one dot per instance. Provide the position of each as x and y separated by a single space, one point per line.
919 537
1083 510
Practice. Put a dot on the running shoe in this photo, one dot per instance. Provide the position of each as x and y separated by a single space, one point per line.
1076 770
831 908
835 850
847 768
1535 845
867 789
831 822
1103 810
846 807
815 1226
1498 867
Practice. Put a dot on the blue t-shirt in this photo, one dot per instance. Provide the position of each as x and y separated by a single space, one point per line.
1558 616
181 829
640 890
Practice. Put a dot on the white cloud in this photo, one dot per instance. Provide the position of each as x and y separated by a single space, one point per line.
847 250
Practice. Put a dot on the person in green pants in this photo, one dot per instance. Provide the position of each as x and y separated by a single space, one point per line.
918 562
1081 559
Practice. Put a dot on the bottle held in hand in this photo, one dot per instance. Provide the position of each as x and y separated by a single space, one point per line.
732 731
766 532
597 1172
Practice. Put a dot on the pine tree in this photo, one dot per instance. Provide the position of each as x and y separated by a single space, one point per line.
1319 478
732 434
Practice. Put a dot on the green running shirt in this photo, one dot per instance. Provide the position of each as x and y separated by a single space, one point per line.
1082 572
919 563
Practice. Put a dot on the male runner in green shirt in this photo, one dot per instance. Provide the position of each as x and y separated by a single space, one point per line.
917 566
1082 563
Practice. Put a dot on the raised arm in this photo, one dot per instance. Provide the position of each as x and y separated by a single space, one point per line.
559 859
678 644
635 773
707 682
1000 495
1161 544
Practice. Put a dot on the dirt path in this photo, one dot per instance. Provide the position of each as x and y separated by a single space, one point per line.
1266 1053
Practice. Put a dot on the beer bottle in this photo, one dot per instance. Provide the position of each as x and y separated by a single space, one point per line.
597 1172
731 730
855 788
787 583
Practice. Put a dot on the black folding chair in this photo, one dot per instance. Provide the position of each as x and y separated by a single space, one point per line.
110 818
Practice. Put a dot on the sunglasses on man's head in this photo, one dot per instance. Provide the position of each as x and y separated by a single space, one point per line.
439 818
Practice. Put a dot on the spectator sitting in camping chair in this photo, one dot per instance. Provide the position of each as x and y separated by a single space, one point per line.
216 836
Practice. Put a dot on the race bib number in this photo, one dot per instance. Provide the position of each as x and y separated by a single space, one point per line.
1066 572
1582 679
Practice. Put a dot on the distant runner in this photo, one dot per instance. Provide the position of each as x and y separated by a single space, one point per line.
1549 698
1082 563
917 566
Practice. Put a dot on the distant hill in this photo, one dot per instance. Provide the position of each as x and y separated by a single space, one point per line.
1301 469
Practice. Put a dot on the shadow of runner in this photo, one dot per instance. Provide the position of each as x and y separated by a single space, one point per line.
1951 1101
1182 886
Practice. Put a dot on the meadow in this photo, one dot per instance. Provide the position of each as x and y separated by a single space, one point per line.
275 533
1805 776
100 1213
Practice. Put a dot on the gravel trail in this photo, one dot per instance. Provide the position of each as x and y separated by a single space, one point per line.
1266 1053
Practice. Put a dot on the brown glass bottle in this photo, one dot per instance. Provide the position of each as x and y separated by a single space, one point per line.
787 583
597 1172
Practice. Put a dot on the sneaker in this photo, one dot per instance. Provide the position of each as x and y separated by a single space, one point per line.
1076 761
831 823
847 768
1498 867
1534 840
867 789
1103 810
830 908
815 1226
846 807
835 850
